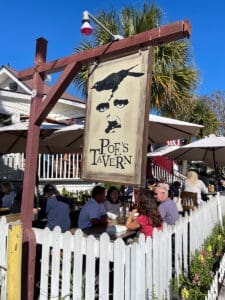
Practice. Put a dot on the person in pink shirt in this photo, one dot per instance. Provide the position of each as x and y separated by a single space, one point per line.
146 216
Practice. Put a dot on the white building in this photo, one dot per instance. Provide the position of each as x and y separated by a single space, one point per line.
15 97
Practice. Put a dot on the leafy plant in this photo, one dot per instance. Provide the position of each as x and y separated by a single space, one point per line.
204 263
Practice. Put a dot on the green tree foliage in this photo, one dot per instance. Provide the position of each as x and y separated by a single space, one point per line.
174 78
216 103
202 114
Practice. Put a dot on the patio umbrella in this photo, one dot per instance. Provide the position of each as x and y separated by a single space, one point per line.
13 137
210 150
161 129
66 140
162 151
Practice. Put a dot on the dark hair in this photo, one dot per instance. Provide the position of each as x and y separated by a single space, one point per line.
48 188
148 206
176 184
110 190
98 189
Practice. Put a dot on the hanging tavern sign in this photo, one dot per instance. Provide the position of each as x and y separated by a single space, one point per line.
115 141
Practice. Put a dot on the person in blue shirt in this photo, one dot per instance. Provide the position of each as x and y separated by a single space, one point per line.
8 194
56 209
93 213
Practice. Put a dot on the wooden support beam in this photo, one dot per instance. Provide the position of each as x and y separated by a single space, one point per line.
56 91
156 36
29 242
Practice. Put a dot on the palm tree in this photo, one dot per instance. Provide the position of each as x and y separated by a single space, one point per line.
174 79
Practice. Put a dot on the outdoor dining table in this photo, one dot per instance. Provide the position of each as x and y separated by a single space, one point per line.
4 211
96 231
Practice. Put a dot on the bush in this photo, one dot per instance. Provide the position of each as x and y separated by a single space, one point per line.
194 285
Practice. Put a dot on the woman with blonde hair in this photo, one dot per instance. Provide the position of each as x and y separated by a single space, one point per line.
195 185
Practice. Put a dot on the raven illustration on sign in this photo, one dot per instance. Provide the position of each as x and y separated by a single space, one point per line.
112 81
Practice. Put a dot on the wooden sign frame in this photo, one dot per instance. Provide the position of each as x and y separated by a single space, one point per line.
117 117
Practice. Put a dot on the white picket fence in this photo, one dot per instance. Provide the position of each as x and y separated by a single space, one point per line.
78 267
159 172
50 166
136 270
218 279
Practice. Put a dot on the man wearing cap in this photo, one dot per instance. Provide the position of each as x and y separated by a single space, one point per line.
93 212
167 207
56 208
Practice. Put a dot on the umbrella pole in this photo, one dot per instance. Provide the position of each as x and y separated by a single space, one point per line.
215 169
214 162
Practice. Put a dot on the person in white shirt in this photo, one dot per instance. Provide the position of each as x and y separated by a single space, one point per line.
195 185
93 212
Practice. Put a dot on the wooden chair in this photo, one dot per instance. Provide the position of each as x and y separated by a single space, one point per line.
189 200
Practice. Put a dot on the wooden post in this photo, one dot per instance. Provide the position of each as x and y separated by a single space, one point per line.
14 255
29 243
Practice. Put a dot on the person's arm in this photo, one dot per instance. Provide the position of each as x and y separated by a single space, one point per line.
162 211
204 189
102 221
132 224
107 205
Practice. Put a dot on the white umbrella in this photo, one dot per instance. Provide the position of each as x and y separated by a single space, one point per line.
162 151
13 137
66 140
161 129
210 150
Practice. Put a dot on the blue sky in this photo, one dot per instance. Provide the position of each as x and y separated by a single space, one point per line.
22 22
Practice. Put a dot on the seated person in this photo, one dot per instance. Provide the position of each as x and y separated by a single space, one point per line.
56 208
176 189
162 180
152 183
112 203
16 206
167 207
93 212
148 215
221 185
195 185
127 190
176 196
8 194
